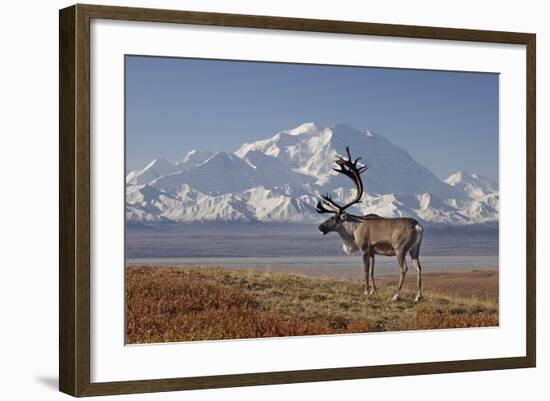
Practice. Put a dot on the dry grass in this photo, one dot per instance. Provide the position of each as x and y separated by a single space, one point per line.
182 304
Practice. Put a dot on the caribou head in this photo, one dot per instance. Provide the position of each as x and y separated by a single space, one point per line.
327 205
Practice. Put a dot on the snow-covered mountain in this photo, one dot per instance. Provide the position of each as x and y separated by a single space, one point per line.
311 150
279 179
476 186
157 168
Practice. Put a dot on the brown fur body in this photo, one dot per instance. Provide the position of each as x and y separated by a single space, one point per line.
387 236
374 235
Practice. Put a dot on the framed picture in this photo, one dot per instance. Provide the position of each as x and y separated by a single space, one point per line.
241 198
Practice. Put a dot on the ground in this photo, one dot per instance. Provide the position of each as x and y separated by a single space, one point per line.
167 304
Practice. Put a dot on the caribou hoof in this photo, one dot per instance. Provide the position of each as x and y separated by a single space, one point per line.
419 297
369 291
396 297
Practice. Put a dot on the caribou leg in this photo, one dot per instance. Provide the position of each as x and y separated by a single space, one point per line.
371 273
403 266
416 263
366 266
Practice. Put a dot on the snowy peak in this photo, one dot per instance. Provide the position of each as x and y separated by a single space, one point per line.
312 153
220 173
222 159
305 128
476 186
462 177
160 165
155 169
281 177
193 158
345 131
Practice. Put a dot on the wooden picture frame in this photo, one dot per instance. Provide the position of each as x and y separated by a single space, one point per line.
74 199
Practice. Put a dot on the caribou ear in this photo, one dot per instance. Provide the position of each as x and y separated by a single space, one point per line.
343 216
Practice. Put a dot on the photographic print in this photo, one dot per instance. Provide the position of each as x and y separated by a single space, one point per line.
268 199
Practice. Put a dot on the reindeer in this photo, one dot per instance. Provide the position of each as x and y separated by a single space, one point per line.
372 234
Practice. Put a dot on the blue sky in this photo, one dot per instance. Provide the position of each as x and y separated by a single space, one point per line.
447 121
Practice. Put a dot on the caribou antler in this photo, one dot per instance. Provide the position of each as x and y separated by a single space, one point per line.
350 169
321 208
327 205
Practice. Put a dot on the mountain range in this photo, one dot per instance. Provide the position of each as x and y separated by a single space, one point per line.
279 179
